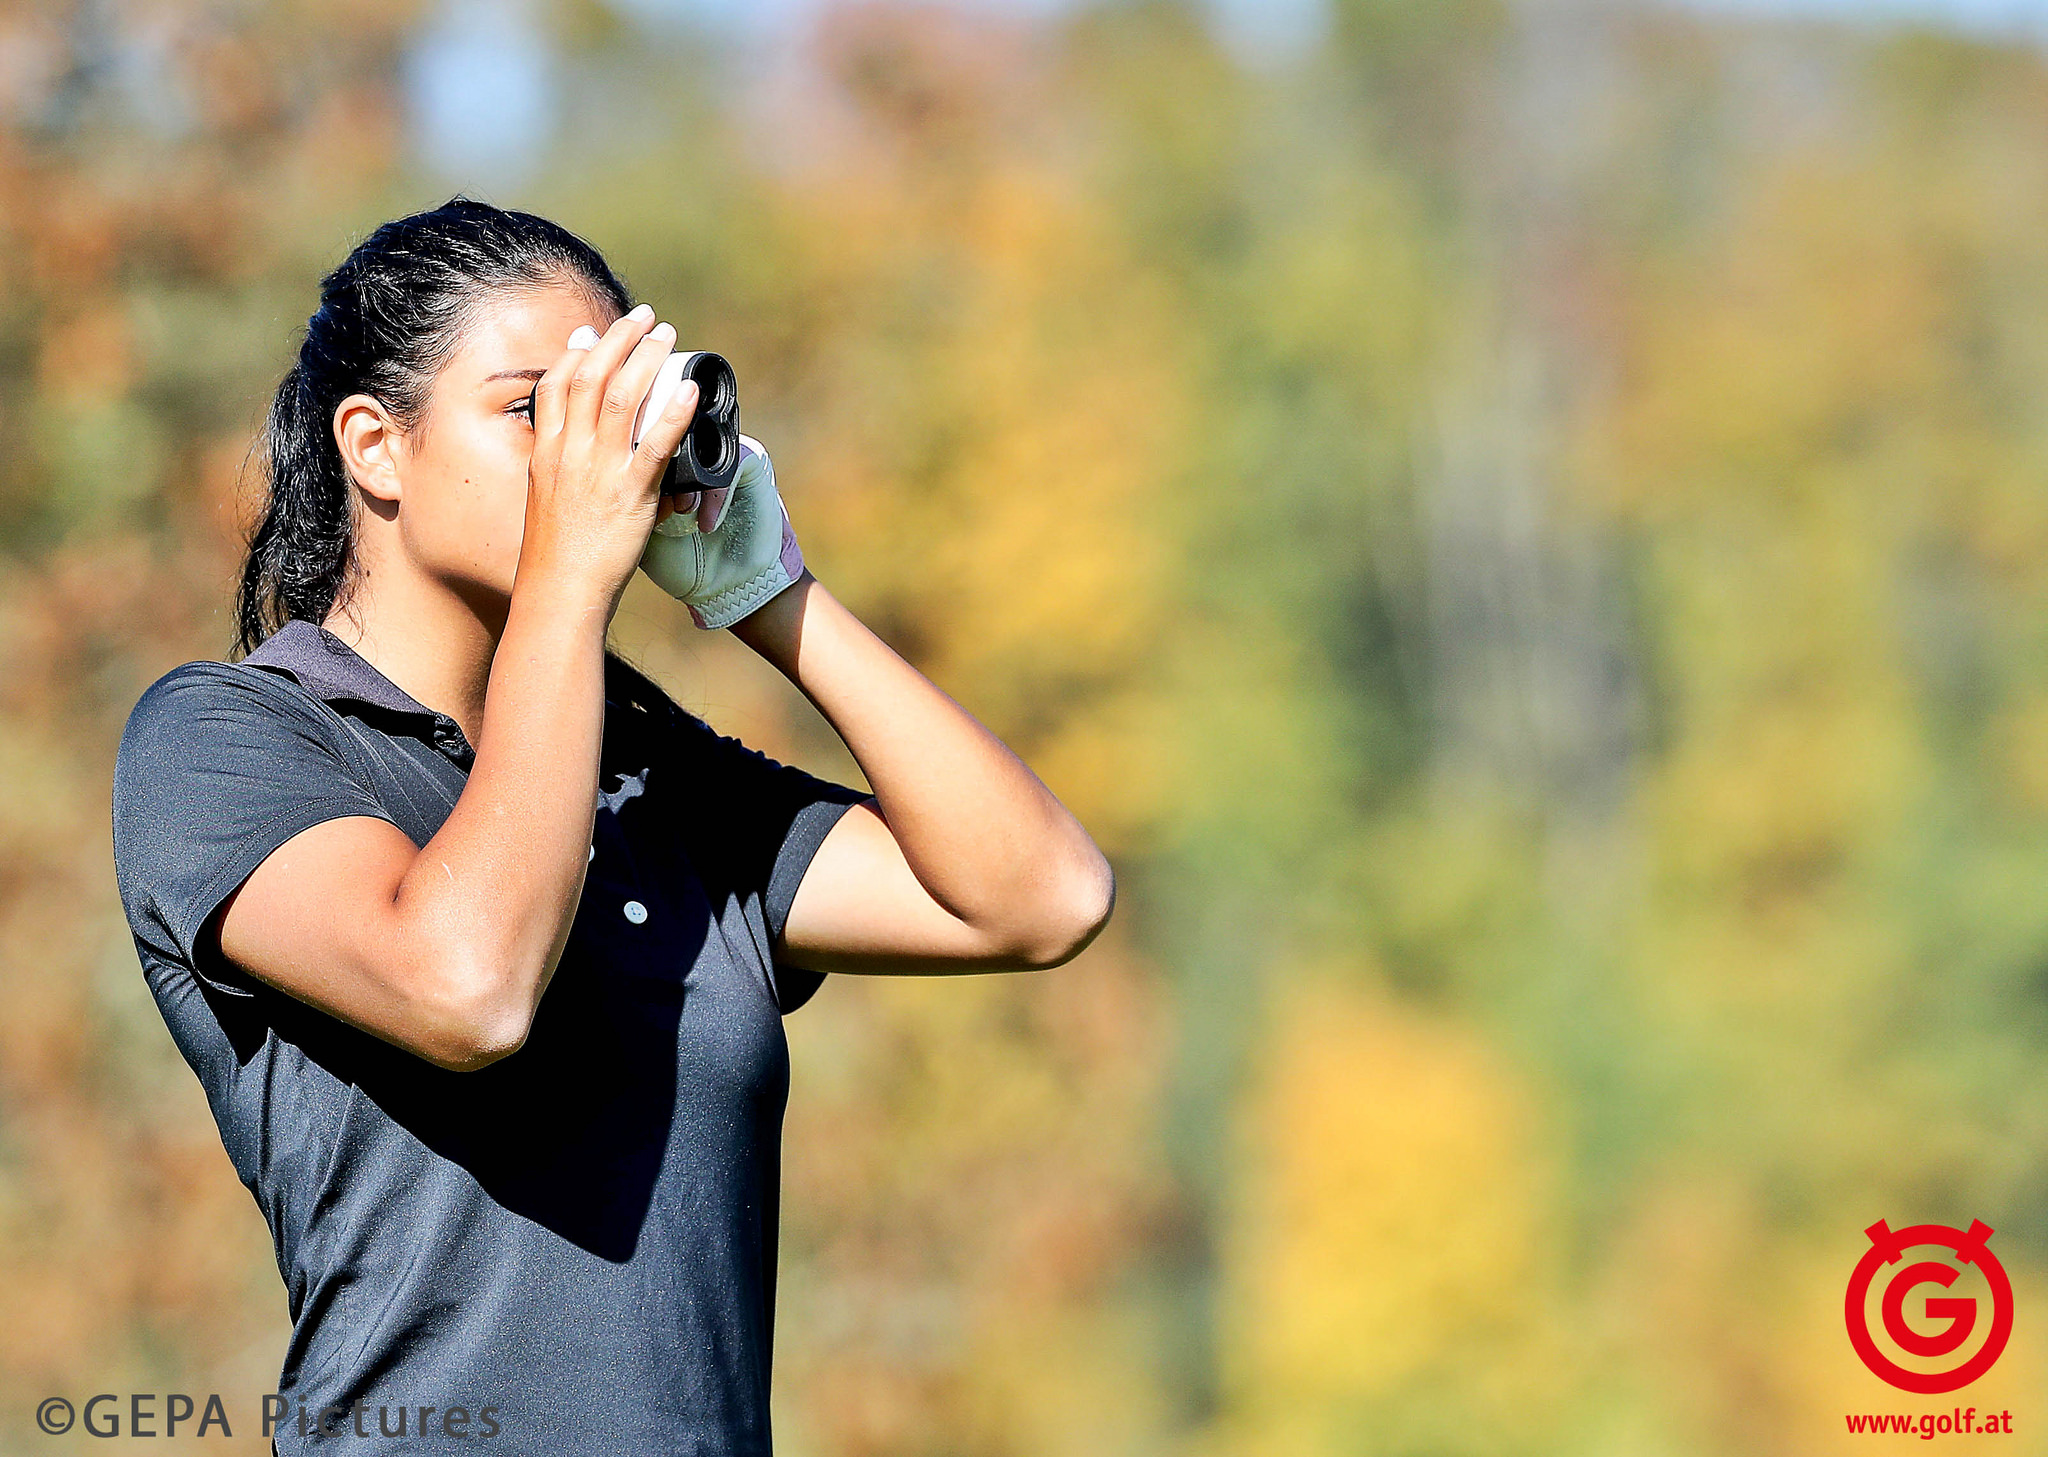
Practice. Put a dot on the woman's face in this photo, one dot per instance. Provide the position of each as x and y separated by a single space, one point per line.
461 512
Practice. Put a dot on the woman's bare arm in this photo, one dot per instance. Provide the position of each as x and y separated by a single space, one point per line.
445 950
971 863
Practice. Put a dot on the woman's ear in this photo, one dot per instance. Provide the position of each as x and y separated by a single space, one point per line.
370 443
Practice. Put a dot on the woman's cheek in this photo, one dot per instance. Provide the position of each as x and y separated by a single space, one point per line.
478 529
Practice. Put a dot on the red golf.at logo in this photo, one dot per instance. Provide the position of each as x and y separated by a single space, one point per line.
1965 1339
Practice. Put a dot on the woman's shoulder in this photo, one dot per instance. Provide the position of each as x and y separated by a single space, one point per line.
191 686
198 676
635 701
211 703
642 721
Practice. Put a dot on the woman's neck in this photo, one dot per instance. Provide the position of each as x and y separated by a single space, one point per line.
431 641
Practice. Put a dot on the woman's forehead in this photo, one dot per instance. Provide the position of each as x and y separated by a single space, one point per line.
527 328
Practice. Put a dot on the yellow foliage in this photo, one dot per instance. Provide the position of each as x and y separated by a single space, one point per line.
1396 1210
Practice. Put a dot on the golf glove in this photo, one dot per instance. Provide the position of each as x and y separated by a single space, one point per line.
748 555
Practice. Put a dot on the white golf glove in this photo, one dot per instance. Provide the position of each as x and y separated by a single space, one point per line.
747 556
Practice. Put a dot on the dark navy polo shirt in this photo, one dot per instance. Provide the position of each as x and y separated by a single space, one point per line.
580 1237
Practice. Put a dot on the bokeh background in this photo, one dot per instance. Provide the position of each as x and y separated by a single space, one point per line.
1521 527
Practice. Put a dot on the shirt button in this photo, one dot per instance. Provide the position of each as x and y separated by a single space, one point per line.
636 913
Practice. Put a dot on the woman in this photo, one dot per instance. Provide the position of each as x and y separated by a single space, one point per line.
477 941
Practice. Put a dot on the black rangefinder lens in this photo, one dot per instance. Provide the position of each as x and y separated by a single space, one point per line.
710 455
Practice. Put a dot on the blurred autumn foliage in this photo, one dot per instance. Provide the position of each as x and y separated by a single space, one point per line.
1519 529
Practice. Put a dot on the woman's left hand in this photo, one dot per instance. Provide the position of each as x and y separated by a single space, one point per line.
724 553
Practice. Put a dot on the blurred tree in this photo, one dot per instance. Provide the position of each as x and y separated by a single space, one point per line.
168 177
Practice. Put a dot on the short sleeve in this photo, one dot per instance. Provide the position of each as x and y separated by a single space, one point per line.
218 767
770 818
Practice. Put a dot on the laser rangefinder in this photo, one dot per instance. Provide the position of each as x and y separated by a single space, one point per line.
710 453
709 456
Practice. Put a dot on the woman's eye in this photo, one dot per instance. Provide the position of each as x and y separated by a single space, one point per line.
523 408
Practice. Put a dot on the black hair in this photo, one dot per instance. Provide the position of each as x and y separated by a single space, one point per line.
390 316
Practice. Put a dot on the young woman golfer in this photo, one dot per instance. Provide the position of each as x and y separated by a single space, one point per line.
478 942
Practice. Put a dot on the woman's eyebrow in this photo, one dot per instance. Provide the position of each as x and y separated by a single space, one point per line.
532 374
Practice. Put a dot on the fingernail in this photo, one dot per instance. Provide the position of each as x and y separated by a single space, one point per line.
663 330
642 311
584 338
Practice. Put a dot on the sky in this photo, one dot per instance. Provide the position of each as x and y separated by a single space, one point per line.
1295 17
484 99
1993 16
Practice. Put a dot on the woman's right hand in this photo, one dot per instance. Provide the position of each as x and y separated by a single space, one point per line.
592 498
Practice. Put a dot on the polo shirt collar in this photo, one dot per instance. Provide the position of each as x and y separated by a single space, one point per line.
329 668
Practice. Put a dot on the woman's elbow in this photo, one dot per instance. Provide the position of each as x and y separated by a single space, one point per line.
1082 911
470 1019
469 1048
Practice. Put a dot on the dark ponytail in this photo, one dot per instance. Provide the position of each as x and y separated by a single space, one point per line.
389 318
